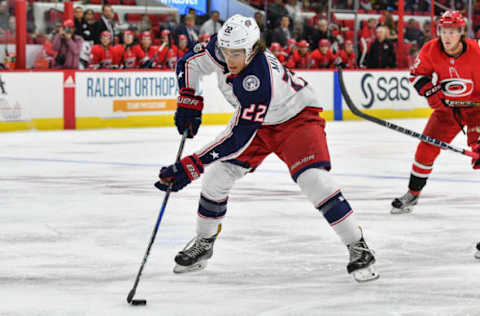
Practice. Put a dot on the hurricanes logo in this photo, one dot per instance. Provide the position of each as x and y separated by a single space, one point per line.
457 87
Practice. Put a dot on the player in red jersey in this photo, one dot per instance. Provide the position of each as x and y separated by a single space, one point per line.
290 47
148 49
131 56
104 55
348 60
453 58
167 51
300 58
276 50
323 57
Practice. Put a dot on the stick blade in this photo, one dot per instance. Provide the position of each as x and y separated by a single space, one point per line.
138 302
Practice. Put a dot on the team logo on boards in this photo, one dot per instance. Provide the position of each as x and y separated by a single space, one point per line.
457 87
251 83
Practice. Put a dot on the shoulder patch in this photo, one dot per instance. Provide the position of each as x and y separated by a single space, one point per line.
199 47
251 83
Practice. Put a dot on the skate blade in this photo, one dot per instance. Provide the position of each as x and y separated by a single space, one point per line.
193 268
366 274
477 255
405 210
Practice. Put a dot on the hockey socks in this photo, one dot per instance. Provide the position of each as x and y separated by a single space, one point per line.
210 216
338 213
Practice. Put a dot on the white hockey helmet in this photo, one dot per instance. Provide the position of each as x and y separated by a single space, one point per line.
239 32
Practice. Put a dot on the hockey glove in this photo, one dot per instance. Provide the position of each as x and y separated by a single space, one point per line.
476 162
178 175
189 112
433 94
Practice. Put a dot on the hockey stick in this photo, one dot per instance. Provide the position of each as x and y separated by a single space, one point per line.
131 294
397 128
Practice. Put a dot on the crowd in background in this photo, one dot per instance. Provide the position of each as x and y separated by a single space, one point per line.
92 41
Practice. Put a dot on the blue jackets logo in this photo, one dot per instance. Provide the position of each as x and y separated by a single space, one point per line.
251 83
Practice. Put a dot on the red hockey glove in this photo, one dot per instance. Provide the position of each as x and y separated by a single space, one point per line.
434 95
476 162
189 112
178 175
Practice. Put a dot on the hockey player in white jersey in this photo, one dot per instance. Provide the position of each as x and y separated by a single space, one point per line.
275 112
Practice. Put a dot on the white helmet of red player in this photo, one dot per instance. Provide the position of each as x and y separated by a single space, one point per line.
239 32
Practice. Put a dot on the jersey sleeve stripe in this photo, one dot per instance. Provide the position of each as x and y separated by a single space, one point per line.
420 82
189 60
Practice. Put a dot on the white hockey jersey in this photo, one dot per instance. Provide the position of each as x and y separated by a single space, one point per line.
264 93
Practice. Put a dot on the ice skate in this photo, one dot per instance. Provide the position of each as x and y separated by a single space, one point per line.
404 204
477 254
195 255
362 260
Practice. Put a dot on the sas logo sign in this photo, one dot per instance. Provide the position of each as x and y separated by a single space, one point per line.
384 88
457 87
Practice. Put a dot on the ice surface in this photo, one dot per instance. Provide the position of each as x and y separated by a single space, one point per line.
77 209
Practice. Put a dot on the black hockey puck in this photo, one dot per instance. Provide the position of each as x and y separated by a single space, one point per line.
139 302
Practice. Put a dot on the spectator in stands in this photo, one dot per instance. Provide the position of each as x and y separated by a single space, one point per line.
151 52
300 58
322 57
8 35
88 38
276 11
188 29
167 51
78 20
321 32
261 24
171 23
365 4
381 53
369 30
412 34
4 14
103 55
212 25
427 33
417 5
347 58
277 50
144 25
313 21
336 39
105 23
281 34
68 46
387 20
345 5
87 27
131 56
294 9
290 47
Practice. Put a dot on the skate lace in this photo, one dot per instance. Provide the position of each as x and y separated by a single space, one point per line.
357 250
197 247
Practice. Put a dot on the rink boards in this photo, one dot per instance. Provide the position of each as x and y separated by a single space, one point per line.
140 98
